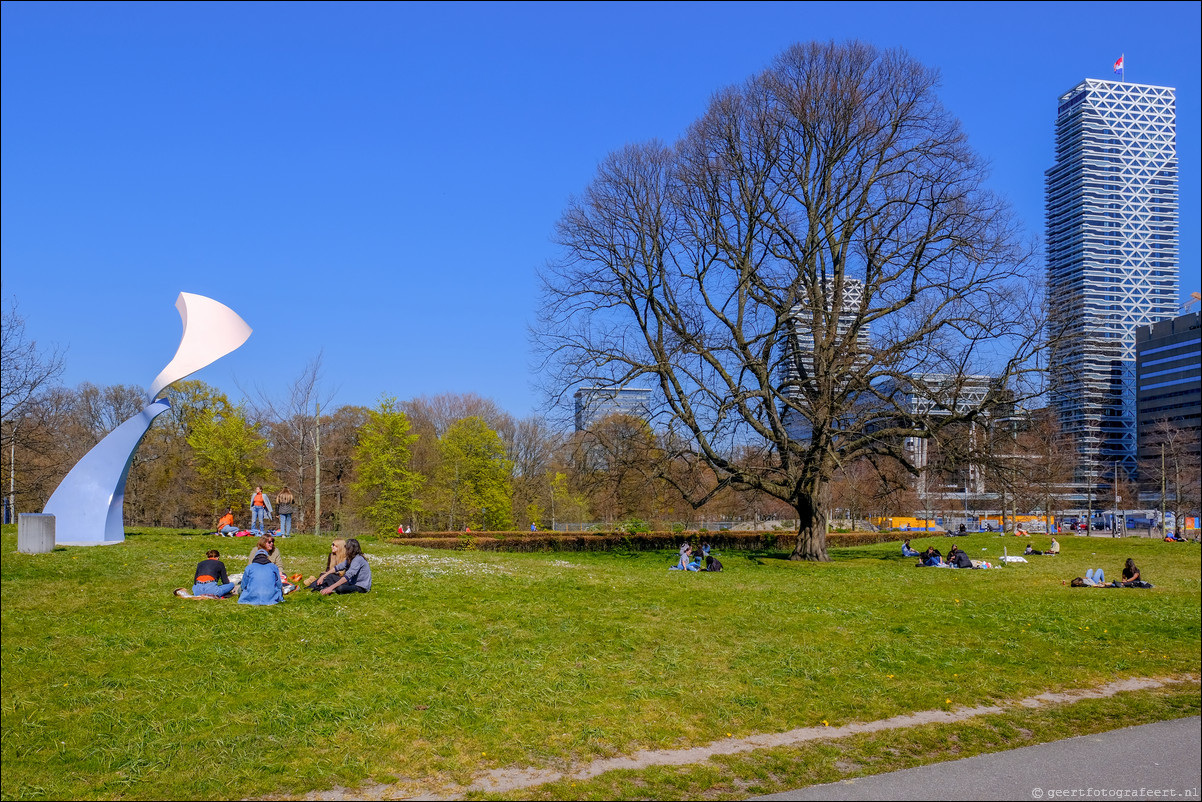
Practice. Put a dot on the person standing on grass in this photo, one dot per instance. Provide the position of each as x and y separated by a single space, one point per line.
260 508
357 578
285 506
210 578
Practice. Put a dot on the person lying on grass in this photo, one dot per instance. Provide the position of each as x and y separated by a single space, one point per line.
1094 578
357 578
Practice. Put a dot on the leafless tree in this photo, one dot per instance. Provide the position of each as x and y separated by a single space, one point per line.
820 230
291 420
24 368
1172 467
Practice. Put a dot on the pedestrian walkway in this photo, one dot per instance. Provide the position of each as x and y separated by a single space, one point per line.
1162 760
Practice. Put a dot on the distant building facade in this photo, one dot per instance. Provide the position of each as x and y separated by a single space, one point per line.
935 395
1168 366
595 403
1112 229
798 364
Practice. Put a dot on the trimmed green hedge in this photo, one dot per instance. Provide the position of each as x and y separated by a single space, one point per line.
621 541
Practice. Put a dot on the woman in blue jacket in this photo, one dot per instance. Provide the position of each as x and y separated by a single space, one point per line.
261 581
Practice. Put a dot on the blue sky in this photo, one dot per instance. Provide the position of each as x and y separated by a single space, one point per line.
379 183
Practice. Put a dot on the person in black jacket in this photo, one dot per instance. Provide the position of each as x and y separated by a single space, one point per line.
210 578
957 558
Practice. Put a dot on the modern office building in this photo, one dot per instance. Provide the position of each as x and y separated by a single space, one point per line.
798 363
937 395
1112 257
1168 367
595 403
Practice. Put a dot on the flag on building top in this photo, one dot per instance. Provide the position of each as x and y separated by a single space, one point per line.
1118 66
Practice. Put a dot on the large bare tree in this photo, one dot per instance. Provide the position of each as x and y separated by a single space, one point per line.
819 236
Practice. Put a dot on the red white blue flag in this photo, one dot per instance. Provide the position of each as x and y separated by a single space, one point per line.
1118 66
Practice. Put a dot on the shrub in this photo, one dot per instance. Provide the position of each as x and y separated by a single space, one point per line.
627 541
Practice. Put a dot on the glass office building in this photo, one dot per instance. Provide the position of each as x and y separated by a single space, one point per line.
1111 257
595 403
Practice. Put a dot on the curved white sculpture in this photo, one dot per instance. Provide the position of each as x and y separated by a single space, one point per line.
216 330
89 504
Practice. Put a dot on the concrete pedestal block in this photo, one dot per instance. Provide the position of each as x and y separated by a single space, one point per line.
35 533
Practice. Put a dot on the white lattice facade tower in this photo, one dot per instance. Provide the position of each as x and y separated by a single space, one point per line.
1112 226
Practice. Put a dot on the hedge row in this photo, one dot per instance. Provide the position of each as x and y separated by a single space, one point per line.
620 541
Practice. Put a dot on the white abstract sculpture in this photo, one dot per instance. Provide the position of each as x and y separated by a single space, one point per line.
89 504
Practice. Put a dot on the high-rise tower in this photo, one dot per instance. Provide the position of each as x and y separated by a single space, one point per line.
1112 256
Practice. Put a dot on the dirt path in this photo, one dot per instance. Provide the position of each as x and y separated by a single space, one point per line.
513 779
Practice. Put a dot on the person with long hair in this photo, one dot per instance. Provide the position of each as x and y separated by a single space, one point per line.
1130 573
285 505
357 576
337 555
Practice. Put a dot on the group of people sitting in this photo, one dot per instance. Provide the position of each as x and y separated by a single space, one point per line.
1052 551
701 562
264 581
933 558
1096 578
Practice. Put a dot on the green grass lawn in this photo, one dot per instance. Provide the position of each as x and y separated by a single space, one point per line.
460 662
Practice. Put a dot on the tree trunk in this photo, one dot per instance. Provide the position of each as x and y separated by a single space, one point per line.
812 513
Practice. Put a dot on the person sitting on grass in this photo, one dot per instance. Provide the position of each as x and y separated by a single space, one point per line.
357 578
907 551
686 561
225 526
1029 551
1130 573
210 578
261 581
1053 549
958 558
932 558
337 555
266 545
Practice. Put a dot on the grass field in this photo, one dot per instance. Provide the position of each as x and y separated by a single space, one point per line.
457 663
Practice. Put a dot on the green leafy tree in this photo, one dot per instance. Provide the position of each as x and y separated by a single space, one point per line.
230 456
473 480
385 487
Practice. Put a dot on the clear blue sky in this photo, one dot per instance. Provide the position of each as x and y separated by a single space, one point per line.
379 182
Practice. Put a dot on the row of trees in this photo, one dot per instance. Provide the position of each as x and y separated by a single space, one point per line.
456 461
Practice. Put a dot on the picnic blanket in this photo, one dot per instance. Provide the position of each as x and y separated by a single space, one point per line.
182 593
